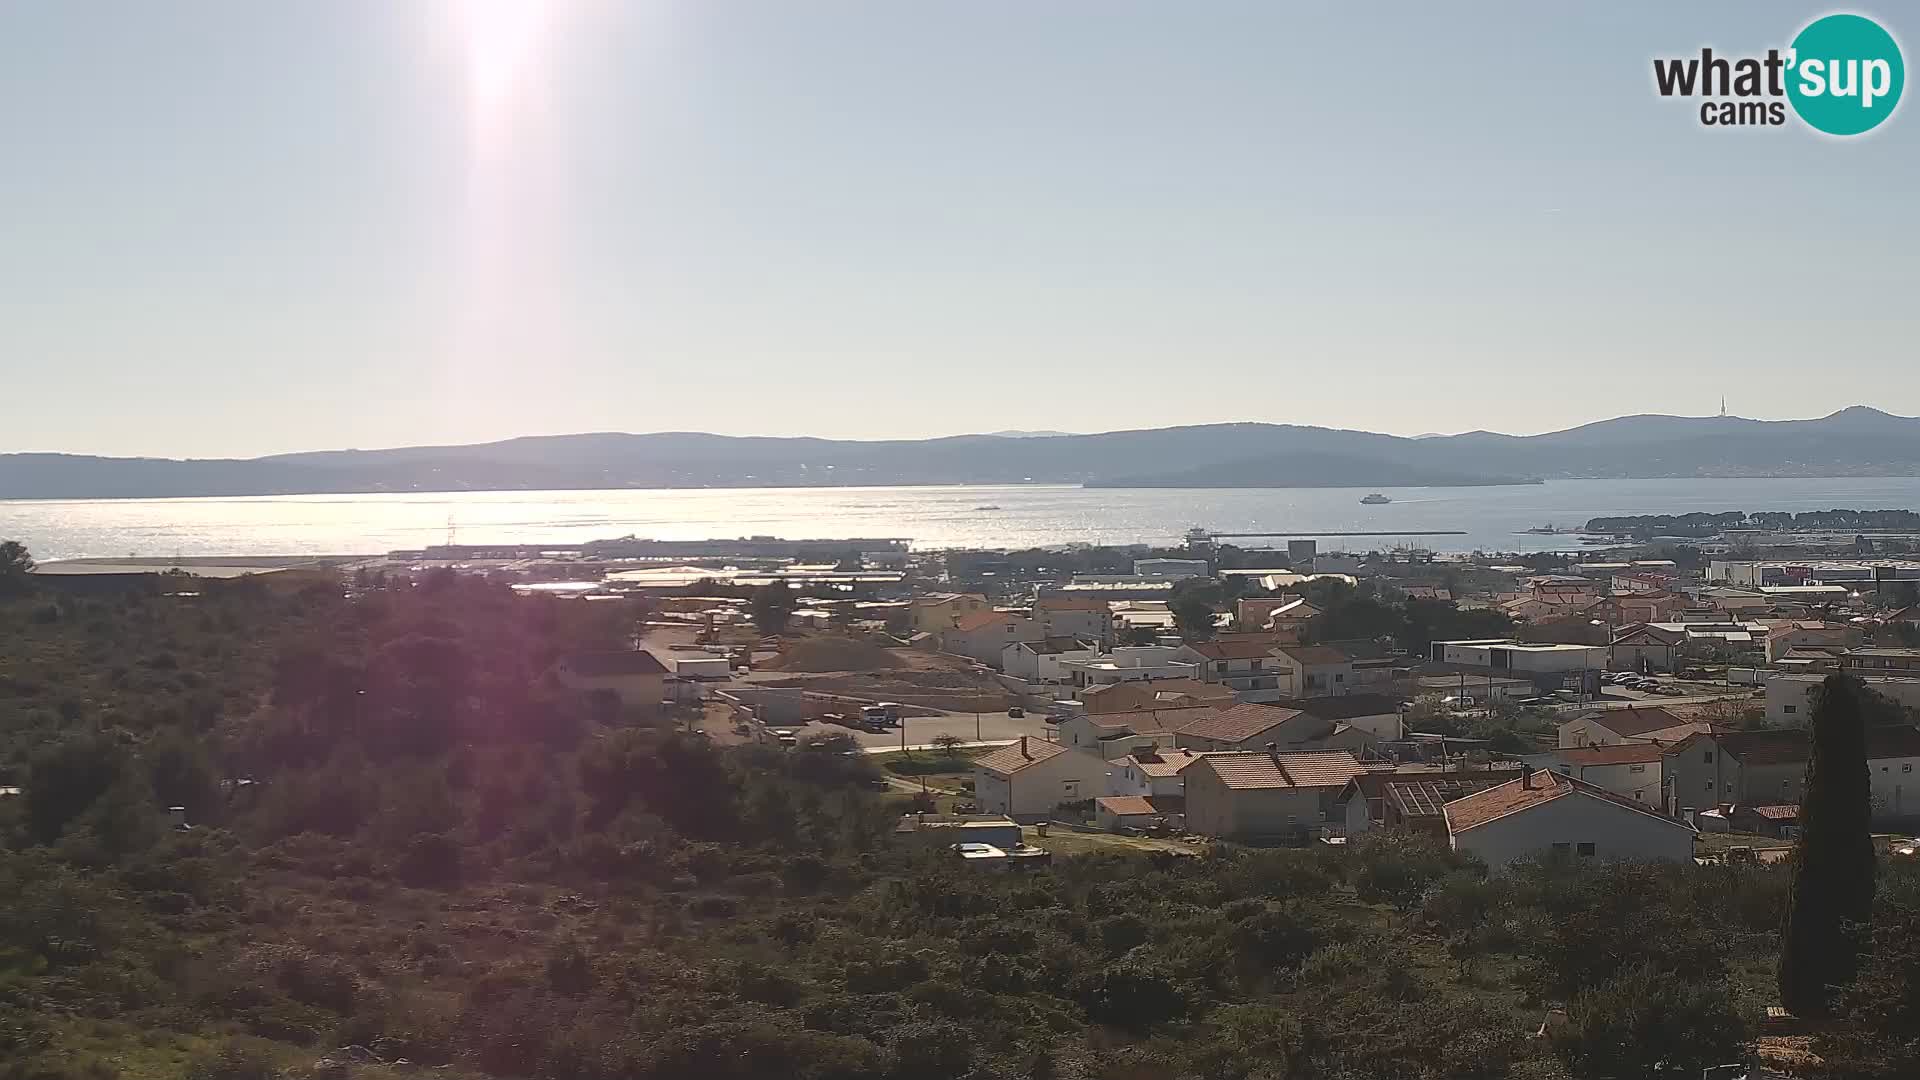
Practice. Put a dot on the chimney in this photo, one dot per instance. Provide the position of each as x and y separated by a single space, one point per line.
1273 751
1526 775
1024 752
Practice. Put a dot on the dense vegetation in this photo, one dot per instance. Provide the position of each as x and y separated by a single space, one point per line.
409 842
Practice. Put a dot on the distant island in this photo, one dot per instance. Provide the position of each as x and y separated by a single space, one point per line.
1309 470
1705 524
1852 442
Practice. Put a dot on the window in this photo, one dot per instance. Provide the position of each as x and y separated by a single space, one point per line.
1791 709
1706 757
1220 666
1636 768
1561 849
1709 785
1069 790
1258 664
1908 767
1339 677
1586 850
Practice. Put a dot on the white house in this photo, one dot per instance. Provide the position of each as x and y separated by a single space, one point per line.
1544 812
1316 670
1109 736
1244 664
1039 661
985 635
1132 663
1027 779
1629 769
1087 618
1150 772
1614 727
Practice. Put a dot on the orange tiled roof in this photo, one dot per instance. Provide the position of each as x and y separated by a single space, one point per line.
1253 770
1537 789
1008 760
1238 723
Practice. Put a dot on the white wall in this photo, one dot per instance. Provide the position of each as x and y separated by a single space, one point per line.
1896 787
1621 779
1615 831
1035 790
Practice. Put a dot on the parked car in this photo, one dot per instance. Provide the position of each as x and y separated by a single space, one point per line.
1538 701
1458 701
1016 713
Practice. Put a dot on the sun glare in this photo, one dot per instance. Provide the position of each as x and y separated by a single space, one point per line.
504 40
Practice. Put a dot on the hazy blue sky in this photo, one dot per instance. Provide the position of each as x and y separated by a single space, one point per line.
247 226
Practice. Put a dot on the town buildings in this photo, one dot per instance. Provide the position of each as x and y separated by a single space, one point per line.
1039 662
1647 724
1256 795
1244 663
1029 778
1545 813
637 677
1769 767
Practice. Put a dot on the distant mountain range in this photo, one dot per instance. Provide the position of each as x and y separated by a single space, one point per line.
1852 442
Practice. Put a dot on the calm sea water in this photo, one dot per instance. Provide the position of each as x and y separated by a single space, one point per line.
933 517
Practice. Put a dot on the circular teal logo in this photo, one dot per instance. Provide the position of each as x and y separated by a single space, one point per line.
1845 74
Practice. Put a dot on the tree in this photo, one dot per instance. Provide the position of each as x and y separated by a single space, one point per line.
772 608
1139 635
1831 899
948 744
15 565
1194 603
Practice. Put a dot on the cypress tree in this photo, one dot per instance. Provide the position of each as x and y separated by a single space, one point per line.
1831 897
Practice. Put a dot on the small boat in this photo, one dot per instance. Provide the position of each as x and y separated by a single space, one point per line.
1542 530
980 508
1375 499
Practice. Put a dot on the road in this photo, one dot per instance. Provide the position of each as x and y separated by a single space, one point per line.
919 731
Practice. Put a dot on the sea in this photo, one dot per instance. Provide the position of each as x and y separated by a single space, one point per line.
1488 519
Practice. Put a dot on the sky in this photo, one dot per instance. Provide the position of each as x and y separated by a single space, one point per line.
231 228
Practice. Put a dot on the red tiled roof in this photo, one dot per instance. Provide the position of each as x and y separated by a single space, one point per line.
1624 754
1234 650
1627 634
1253 770
1163 763
1008 760
1315 655
1238 723
1138 805
1150 721
1776 812
1146 694
1629 722
1542 787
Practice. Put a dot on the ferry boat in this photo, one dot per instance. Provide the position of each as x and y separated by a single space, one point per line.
1375 499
